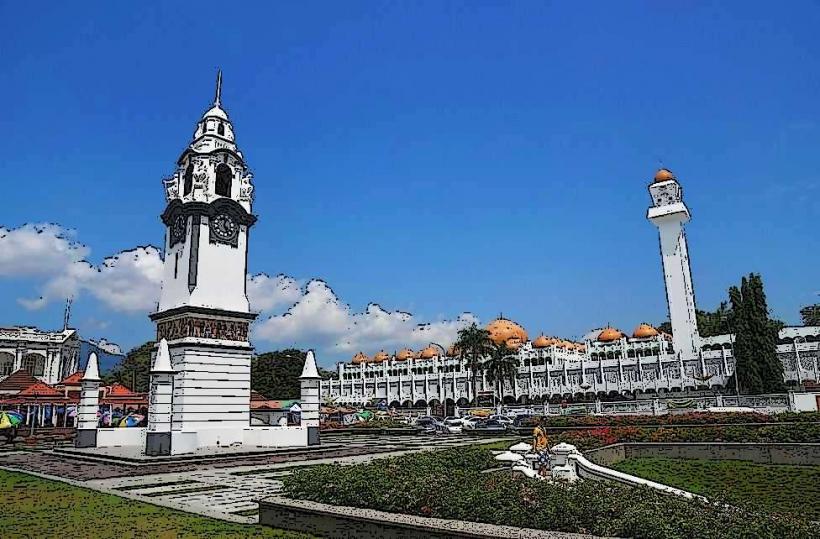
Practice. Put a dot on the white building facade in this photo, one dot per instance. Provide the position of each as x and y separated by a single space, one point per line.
49 356
609 363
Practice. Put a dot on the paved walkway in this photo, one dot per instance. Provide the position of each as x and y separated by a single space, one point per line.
228 489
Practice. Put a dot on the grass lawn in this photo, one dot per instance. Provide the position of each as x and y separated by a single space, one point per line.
772 487
34 507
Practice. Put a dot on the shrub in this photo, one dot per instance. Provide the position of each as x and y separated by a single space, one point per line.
449 484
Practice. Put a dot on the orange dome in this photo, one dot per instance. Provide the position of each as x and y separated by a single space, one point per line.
360 358
644 331
404 355
453 351
514 343
503 330
663 175
428 353
609 335
541 342
381 356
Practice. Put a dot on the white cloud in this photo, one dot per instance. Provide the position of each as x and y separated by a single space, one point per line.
319 319
267 293
130 282
38 249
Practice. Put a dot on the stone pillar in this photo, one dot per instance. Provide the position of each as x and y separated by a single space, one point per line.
89 404
160 403
309 380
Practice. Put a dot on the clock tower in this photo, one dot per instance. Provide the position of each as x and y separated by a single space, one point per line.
203 311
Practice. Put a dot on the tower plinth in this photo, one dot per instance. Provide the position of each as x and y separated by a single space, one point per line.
669 213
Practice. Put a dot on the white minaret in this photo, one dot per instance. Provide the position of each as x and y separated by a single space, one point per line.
669 214
89 405
203 310
310 398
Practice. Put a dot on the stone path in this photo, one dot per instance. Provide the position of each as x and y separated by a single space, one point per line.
228 489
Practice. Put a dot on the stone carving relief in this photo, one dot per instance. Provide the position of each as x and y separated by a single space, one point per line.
246 187
172 186
204 328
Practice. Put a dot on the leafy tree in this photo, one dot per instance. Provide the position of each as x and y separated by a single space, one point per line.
810 315
276 374
134 369
501 366
665 327
711 323
755 349
474 344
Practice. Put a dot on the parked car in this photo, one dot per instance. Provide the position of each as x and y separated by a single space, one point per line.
490 426
469 422
452 425
427 425
502 419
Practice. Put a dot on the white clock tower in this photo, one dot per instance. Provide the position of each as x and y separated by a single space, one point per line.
669 214
203 310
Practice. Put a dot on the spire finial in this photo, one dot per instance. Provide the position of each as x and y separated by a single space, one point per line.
218 96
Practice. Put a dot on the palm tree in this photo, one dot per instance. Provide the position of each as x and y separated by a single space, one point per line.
501 366
473 344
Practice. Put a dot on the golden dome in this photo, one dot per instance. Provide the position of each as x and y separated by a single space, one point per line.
380 356
503 330
360 358
663 175
453 351
644 331
404 355
609 334
514 343
428 353
541 342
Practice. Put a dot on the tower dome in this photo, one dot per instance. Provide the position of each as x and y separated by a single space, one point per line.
453 351
508 332
359 358
610 334
541 342
664 175
644 331
428 353
381 357
404 355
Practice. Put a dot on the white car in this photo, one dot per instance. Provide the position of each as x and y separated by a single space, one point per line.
452 426
468 422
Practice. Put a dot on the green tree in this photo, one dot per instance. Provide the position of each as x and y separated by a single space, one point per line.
276 374
810 315
501 366
474 344
711 323
755 349
134 369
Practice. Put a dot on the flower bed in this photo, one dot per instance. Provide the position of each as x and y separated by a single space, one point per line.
449 484
601 436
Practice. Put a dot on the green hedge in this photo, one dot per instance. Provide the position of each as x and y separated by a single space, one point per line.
691 418
774 433
449 484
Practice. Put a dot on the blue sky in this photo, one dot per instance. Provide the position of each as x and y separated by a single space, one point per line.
432 157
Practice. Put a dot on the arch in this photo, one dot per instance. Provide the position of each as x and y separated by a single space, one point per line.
188 179
420 404
407 404
220 128
224 179
395 404
508 399
35 364
6 363
462 402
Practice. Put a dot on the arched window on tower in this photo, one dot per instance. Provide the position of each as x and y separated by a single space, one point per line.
188 180
204 126
220 128
224 178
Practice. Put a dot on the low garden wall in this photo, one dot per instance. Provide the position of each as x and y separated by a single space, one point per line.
761 453
352 523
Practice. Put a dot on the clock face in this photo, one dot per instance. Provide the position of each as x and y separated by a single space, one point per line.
178 230
224 227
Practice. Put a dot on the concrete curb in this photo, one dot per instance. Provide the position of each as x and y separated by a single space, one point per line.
336 522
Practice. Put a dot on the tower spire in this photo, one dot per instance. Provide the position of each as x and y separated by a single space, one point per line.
218 95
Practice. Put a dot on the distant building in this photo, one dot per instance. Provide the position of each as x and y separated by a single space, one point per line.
49 356
607 364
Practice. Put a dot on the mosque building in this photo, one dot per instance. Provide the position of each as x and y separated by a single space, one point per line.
607 363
